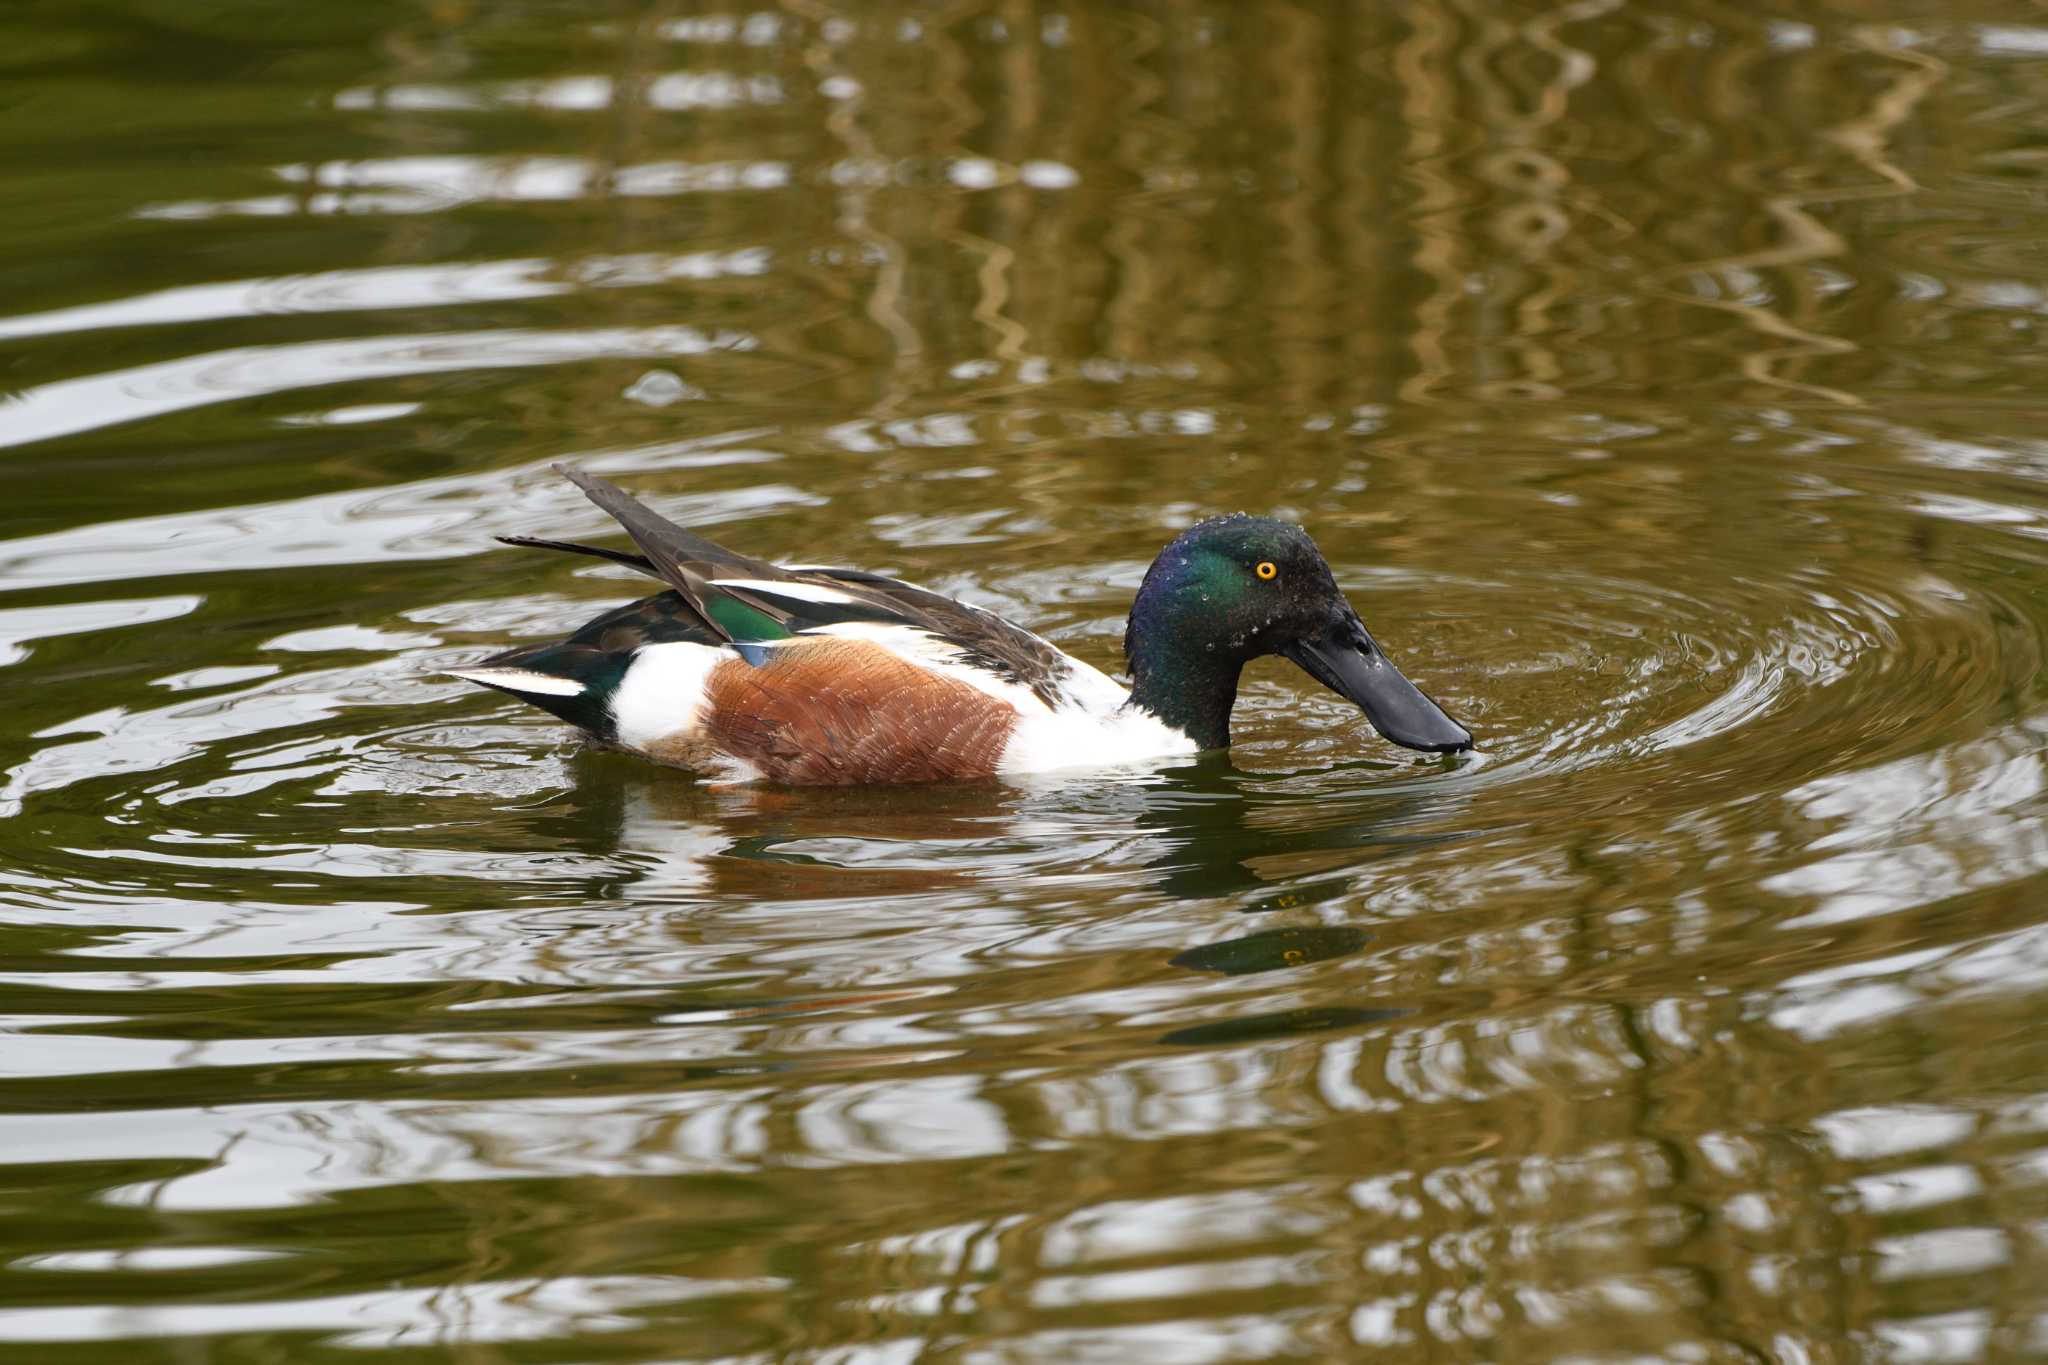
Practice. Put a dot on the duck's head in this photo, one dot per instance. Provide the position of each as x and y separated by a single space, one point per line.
1232 589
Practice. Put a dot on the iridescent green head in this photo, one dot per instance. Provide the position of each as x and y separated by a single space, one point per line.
1232 589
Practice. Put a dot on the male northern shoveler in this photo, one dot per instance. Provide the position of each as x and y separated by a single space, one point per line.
749 671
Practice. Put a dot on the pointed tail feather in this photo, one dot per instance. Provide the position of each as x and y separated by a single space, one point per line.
640 562
665 543
687 562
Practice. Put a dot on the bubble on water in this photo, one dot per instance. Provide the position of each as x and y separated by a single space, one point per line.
660 388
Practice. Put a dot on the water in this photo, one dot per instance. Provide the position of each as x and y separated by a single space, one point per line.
1664 382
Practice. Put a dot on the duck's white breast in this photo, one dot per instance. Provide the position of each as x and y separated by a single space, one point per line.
1095 728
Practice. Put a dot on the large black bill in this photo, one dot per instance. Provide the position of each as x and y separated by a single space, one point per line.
1348 662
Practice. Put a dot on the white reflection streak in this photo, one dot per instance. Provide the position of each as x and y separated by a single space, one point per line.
1337 1069
755 30
22 624
331 292
928 1118
35 1054
674 90
1883 1131
1938 1339
1169 1282
1209 1340
1915 1188
507 1310
425 519
1819 1004
102 400
1169 1096
381 287
2012 40
434 184
1184 1224
1941 1252
1923 828
144 1260
287 1155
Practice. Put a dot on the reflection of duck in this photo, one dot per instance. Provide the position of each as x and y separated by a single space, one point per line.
952 866
1202 832
749 671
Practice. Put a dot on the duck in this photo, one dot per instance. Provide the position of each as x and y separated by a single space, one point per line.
744 671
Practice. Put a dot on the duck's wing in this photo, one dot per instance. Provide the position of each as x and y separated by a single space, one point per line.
746 601
983 639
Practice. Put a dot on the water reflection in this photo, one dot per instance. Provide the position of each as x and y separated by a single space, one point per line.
1204 831
386 287
1662 382
1273 949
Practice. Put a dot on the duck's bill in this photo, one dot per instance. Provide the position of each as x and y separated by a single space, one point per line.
1350 663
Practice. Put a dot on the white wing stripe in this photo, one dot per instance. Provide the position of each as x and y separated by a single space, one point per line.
796 592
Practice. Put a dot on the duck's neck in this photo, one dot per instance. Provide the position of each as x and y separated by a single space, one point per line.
1185 685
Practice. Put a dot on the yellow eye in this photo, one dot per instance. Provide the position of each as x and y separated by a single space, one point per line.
1267 569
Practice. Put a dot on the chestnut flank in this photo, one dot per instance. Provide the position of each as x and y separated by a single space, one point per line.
846 711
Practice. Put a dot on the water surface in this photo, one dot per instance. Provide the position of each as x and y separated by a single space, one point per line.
1663 381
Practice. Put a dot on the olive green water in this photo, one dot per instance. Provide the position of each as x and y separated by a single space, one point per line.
1666 383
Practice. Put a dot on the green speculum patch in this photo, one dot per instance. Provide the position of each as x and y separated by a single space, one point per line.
743 622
